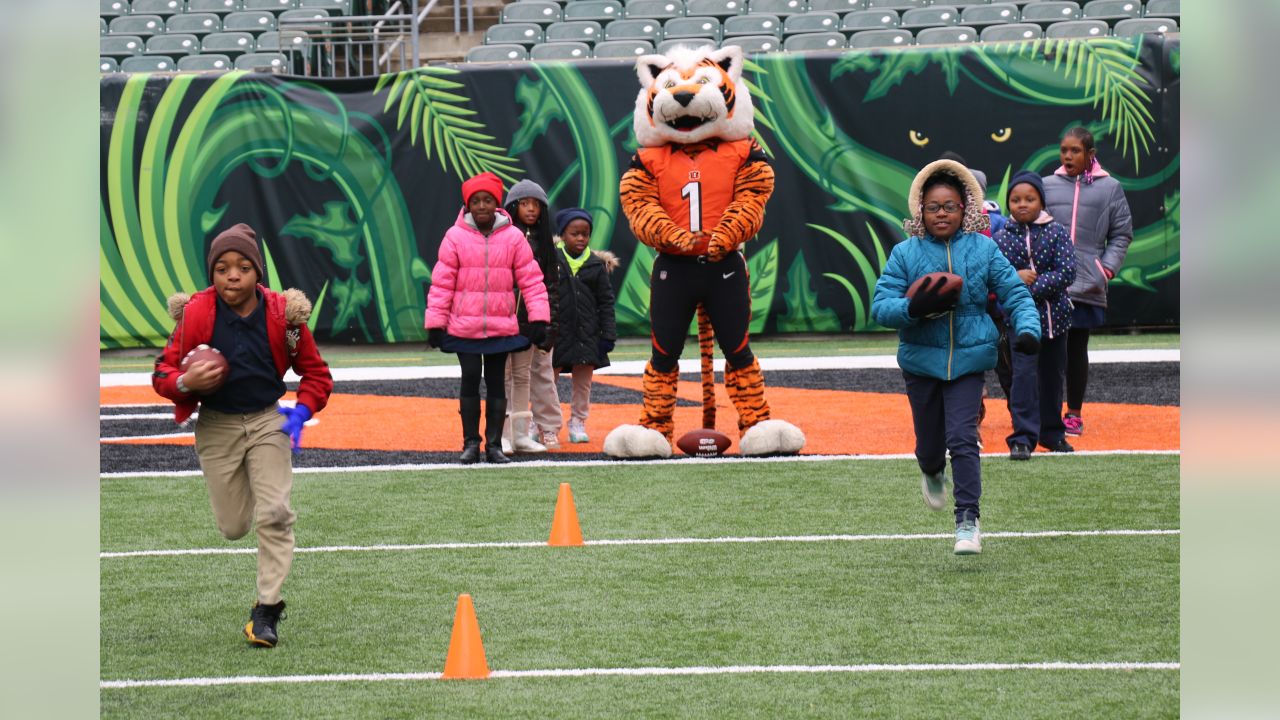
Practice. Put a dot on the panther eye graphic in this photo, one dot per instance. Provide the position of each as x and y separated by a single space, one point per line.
917 138
1002 135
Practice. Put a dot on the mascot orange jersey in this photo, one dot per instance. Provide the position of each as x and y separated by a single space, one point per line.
695 192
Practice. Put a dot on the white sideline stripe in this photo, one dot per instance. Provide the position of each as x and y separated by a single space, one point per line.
640 671
643 541
687 365
485 467
136 416
124 438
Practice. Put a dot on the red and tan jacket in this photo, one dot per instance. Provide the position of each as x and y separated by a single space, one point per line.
292 346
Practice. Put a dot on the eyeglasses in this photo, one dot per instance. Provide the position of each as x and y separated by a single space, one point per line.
948 206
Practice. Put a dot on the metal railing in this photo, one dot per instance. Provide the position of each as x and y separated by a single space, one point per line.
353 45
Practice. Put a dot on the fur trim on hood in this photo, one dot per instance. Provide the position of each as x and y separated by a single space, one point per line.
609 259
974 219
297 308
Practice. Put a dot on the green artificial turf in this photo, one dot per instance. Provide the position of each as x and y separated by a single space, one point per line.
1080 599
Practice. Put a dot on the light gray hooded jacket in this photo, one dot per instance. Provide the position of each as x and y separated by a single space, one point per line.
1093 208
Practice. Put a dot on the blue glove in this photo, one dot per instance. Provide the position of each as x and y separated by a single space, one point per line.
294 418
604 346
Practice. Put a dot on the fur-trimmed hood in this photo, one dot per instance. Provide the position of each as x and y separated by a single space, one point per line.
974 219
297 308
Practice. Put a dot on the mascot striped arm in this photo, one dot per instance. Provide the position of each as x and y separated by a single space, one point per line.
695 193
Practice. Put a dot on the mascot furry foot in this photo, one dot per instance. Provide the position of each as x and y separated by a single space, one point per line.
636 441
772 437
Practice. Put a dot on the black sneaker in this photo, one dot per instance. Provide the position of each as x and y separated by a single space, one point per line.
261 628
1062 446
1018 451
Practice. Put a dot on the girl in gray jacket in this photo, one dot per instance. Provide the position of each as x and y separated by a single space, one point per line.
1091 204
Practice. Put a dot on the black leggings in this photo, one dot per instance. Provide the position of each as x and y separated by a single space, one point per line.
678 284
1077 367
494 367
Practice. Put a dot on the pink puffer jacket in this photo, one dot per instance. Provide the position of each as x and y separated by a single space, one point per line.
473 283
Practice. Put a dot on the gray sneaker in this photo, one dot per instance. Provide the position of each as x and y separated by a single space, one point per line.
934 489
968 538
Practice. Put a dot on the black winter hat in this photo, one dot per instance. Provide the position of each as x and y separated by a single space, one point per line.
1028 177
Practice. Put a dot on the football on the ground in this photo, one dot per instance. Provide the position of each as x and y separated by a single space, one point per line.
950 283
202 353
704 442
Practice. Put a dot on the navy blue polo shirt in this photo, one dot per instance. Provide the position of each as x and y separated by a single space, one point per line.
252 382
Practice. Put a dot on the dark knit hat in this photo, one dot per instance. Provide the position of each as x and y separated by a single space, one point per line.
485 181
526 189
242 239
568 215
1028 177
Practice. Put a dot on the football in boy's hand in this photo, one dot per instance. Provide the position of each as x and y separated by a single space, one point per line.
202 353
704 442
940 283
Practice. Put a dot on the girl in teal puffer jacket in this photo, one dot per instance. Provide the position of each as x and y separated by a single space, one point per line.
947 341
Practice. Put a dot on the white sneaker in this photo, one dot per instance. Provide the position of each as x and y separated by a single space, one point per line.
526 444
578 432
968 538
934 489
550 441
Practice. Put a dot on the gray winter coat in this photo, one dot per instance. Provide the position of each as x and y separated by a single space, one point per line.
1097 217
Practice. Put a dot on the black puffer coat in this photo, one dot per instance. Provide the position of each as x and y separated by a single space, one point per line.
585 312
545 253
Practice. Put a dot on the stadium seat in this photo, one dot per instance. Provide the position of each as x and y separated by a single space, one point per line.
1112 10
656 9
692 27
141 25
1050 11
173 44
534 11
837 6
587 31
811 22
952 35
665 46
102 27
263 62
896 4
1164 9
507 34
752 25
781 8
222 7
286 41
112 8
194 23
253 21
994 14
303 14
622 49
1145 26
936 16
106 64
755 44
560 51
148 63
601 11
228 43
1078 29
205 63
163 8
814 41
634 29
273 6
120 46
715 8
335 7
1013 32
895 37
497 53
869 20
961 4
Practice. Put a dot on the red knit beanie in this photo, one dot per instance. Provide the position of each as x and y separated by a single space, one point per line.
486 181
243 240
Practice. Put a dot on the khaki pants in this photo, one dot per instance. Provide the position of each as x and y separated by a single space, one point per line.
531 384
247 468
580 405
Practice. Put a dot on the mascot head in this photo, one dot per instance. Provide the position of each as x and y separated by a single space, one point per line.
690 95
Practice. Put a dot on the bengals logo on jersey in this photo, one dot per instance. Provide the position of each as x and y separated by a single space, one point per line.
690 95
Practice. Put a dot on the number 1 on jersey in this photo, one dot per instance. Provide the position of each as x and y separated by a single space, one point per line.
693 191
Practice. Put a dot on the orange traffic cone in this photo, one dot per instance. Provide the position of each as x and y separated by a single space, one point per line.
466 652
564 524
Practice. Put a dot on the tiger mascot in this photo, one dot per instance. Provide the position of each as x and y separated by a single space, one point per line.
695 192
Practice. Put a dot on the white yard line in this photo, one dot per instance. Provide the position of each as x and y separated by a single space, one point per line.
646 541
688 365
642 671
481 467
